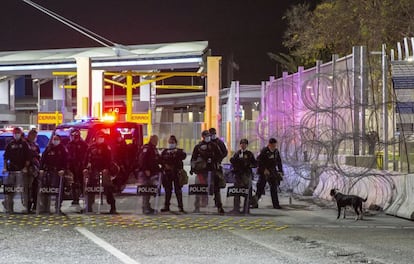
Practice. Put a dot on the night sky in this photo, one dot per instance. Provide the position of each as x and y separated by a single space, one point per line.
244 29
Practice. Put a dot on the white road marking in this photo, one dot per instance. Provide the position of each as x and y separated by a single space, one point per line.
105 245
280 252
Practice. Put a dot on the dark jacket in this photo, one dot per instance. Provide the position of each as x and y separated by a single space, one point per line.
17 155
120 153
149 159
54 158
77 150
243 161
172 159
222 147
206 157
269 160
34 154
99 157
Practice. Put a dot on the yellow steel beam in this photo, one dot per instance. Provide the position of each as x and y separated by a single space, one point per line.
67 86
114 82
128 97
200 74
63 73
151 81
180 87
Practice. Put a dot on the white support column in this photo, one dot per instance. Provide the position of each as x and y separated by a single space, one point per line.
97 92
4 92
58 90
231 113
84 81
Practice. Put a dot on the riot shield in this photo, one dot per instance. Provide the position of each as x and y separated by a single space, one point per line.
200 193
15 192
240 191
93 189
49 199
148 187
237 193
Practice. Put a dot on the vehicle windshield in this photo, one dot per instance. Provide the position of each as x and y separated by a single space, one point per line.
42 141
4 140
64 134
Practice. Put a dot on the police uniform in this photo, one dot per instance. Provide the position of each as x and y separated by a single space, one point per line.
77 149
98 160
54 160
16 159
33 172
242 162
271 161
172 163
207 154
149 161
120 157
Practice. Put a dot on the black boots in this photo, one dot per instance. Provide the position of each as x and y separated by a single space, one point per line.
166 208
113 209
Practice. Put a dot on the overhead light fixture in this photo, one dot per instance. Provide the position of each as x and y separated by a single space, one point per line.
145 62
114 63
38 67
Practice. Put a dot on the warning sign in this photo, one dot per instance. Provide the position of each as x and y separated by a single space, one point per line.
50 118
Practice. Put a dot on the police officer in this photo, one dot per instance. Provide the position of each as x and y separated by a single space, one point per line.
270 170
120 157
149 164
98 162
210 156
172 162
215 139
34 167
16 162
77 149
243 161
53 164
220 144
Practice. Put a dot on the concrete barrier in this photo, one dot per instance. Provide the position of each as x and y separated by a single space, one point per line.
390 191
403 204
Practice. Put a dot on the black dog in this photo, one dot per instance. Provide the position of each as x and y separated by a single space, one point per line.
343 200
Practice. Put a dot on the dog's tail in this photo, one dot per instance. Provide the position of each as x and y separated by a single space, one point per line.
364 200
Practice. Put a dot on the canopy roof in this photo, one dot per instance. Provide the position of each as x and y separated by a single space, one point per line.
41 63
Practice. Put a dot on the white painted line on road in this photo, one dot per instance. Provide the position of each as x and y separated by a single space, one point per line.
105 245
292 256
386 227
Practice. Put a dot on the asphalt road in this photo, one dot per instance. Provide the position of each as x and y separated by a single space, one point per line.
304 231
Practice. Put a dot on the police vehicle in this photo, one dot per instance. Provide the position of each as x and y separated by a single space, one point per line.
42 140
131 132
